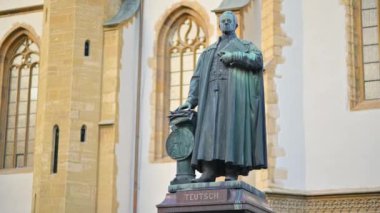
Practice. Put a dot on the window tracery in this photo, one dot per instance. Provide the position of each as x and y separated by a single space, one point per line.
21 103
186 43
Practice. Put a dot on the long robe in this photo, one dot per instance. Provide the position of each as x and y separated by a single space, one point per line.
237 115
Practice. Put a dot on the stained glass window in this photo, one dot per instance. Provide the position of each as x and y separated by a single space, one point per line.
21 104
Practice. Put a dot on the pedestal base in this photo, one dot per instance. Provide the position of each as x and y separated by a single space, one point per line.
232 196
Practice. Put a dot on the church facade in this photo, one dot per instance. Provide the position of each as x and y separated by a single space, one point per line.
86 88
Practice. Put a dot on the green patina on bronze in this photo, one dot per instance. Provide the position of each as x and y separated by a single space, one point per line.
180 143
227 87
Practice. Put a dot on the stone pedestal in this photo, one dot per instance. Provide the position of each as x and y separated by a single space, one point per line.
232 196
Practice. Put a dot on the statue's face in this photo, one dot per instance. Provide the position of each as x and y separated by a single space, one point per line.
227 23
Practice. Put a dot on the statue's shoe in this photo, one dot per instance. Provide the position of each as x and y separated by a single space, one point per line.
204 178
231 178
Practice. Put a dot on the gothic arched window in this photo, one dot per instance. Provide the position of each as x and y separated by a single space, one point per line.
182 38
186 42
19 102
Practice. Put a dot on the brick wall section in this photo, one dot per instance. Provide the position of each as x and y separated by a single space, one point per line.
108 130
273 41
69 96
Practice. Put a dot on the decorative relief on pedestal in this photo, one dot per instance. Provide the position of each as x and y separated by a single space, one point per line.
325 203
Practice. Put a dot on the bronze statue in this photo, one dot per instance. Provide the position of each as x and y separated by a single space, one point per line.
227 87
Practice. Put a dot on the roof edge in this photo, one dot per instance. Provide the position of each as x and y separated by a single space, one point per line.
127 10
231 5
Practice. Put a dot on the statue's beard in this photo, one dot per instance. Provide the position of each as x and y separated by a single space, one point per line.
228 32
228 29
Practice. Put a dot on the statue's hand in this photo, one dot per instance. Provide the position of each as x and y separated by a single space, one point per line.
185 106
225 57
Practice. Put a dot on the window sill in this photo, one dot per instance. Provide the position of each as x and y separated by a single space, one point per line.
366 105
16 171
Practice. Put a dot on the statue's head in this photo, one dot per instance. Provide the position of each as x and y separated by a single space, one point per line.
228 22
